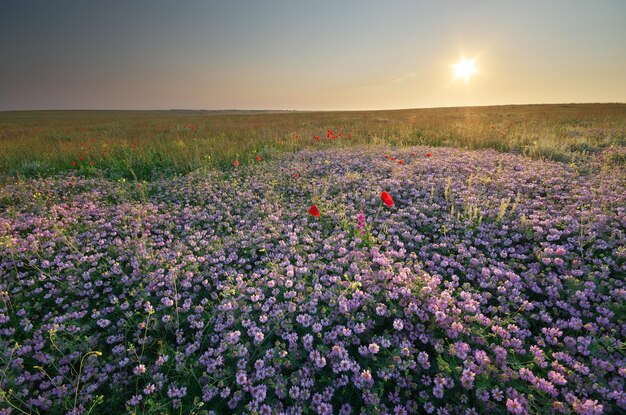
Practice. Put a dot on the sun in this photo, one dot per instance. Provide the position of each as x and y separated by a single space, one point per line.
465 69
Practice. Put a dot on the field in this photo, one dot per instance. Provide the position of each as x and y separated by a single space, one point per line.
145 145
444 261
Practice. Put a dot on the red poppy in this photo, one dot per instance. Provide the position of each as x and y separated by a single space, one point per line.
401 162
386 198
73 163
316 137
92 163
392 158
258 158
81 158
236 163
349 135
428 154
386 156
295 175
314 211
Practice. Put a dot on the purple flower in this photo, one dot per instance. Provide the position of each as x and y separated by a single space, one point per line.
398 324
241 378
103 322
324 408
514 406
135 400
587 407
373 348
259 392
139 369
467 378
176 392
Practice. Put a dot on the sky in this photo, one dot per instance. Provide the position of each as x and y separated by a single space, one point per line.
308 55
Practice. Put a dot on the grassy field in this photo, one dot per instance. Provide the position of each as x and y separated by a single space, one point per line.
377 270
145 144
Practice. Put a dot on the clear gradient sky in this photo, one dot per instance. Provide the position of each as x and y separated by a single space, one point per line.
315 54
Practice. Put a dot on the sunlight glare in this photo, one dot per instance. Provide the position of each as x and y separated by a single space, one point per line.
465 69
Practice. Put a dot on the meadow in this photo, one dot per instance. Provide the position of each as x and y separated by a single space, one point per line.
445 261
144 145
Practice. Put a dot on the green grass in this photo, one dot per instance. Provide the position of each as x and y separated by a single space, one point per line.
145 144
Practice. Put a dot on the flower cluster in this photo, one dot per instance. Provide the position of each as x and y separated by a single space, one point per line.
333 135
492 284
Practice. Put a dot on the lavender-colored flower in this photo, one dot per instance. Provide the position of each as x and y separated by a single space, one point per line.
588 407
324 408
422 358
398 324
103 322
467 378
373 348
241 378
135 400
259 393
139 369
176 392
514 406
149 389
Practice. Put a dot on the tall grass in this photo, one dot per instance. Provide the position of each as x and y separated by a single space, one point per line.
144 144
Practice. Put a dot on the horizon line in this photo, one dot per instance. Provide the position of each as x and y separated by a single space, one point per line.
304 110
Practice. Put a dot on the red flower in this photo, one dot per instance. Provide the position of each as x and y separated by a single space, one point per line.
73 163
236 163
401 162
386 198
428 154
314 211
295 175
349 135
258 158
81 158
386 156
316 137
392 158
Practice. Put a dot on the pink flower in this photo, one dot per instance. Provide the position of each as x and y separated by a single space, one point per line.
361 219
398 324
514 406
373 348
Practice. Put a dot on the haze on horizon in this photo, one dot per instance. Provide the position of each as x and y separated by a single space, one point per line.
314 55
